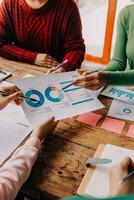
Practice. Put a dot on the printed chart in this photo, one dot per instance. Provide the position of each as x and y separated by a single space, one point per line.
53 100
121 110
119 93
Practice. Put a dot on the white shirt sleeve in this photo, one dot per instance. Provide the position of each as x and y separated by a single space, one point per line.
17 169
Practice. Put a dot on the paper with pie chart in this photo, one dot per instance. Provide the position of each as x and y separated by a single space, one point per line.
121 110
52 100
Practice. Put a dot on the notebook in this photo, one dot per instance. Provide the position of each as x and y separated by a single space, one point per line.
96 180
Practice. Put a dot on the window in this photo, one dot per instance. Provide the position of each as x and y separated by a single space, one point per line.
98 22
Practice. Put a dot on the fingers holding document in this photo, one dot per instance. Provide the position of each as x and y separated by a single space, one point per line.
14 96
91 80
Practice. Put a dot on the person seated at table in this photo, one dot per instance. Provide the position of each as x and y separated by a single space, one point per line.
43 33
124 191
120 71
16 170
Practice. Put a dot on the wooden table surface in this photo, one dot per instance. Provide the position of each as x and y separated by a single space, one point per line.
61 163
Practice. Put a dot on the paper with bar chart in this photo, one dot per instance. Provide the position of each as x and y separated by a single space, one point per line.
120 93
53 100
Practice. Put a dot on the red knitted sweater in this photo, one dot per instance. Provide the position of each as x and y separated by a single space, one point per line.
54 29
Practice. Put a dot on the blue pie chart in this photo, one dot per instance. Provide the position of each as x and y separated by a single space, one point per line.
40 98
49 94
127 110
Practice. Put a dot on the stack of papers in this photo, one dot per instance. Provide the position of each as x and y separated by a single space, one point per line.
122 106
11 136
14 128
121 110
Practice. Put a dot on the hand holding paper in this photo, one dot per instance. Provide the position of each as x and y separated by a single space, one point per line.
52 100
5 100
91 80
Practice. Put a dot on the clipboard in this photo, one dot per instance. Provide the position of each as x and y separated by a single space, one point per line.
89 185
89 172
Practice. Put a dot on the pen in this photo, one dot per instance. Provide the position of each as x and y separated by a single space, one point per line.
6 77
57 67
127 177
61 64
3 72
68 86
3 79
7 93
74 81
97 161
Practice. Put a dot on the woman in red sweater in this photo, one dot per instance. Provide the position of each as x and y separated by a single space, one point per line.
41 32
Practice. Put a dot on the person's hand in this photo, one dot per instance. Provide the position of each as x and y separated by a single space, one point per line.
45 60
5 100
58 69
117 173
46 127
91 80
54 71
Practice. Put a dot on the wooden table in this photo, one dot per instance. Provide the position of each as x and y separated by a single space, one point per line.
61 164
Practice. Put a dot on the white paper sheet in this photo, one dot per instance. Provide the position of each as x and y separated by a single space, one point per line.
121 110
14 128
5 83
99 183
15 113
97 92
53 100
11 136
119 93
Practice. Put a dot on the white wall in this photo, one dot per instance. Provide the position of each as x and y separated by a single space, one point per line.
93 14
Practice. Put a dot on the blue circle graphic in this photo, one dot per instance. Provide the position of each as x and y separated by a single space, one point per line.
53 99
127 110
39 95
